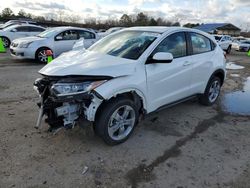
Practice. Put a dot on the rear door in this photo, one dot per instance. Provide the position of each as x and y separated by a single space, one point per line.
21 31
64 41
35 30
89 37
169 82
202 59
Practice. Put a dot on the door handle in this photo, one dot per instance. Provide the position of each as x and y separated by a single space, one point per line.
186 63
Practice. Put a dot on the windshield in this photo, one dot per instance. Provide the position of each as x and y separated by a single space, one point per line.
48 33
217 38
125 44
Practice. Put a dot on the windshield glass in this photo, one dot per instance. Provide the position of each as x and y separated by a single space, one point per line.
217 38
125 44
47 33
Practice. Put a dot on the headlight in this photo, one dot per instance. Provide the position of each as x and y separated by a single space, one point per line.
63 89
24 44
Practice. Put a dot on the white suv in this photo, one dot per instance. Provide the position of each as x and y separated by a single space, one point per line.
130 73
225 42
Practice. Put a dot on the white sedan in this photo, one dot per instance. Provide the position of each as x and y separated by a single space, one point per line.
10 33
57 39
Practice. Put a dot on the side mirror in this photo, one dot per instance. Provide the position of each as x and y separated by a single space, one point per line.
13 30
59 37
161 57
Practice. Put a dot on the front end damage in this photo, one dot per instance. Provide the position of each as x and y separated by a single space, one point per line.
65 100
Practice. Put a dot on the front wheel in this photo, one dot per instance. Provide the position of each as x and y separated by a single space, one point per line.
212 92
228 50
41 55
116 120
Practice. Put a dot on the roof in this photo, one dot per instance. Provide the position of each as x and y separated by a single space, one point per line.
212 26
157 29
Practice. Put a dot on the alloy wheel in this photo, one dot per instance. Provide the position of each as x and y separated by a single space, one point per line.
121 122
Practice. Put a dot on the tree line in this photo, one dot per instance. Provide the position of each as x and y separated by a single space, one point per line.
140 19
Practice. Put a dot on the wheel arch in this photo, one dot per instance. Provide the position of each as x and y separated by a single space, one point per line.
135 95
220 73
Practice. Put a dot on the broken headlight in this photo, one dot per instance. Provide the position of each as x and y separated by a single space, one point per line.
63 89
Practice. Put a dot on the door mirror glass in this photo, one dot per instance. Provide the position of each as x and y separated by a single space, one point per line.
163 57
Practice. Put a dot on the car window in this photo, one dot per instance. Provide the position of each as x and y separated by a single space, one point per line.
36 29
126 44
22 29
69 35
86 34
200 43
175 44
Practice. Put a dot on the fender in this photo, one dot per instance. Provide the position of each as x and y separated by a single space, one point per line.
126 90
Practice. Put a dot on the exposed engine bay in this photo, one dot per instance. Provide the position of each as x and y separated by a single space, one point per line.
65 99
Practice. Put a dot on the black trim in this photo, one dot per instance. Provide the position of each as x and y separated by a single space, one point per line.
70 78
175 102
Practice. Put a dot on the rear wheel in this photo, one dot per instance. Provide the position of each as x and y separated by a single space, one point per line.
6 42
212 92
116 121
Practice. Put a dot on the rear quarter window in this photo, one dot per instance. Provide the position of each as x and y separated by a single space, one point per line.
200 44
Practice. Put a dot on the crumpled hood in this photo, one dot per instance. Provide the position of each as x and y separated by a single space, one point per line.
88 63
28 39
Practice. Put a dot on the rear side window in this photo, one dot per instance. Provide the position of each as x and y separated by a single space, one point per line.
36 29
86 34
200 43
175 44
22 29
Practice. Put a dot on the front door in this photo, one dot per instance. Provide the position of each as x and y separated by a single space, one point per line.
169 82
64 41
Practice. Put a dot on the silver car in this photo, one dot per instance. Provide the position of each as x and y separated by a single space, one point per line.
57 39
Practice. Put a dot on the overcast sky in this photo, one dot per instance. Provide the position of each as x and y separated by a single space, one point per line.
234 11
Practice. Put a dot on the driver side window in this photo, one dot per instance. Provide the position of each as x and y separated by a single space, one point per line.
174 44
68 35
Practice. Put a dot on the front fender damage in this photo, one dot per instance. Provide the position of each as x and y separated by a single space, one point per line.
91 110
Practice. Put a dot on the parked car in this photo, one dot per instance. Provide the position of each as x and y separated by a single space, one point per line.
57 39
110 30
15 22
243 46
8 34
127 74
225 42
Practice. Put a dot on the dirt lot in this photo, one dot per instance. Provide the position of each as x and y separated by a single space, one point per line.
186 146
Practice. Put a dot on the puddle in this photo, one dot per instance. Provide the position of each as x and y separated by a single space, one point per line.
233 66
238 102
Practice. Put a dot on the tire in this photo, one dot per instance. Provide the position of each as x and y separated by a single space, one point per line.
6 42
41 55
111 124
212 92
228 49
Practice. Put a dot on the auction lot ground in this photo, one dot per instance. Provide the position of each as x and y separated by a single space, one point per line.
186 146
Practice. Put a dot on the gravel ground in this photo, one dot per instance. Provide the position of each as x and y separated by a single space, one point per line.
185 146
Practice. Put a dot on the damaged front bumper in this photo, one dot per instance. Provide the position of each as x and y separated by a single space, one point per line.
64 110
